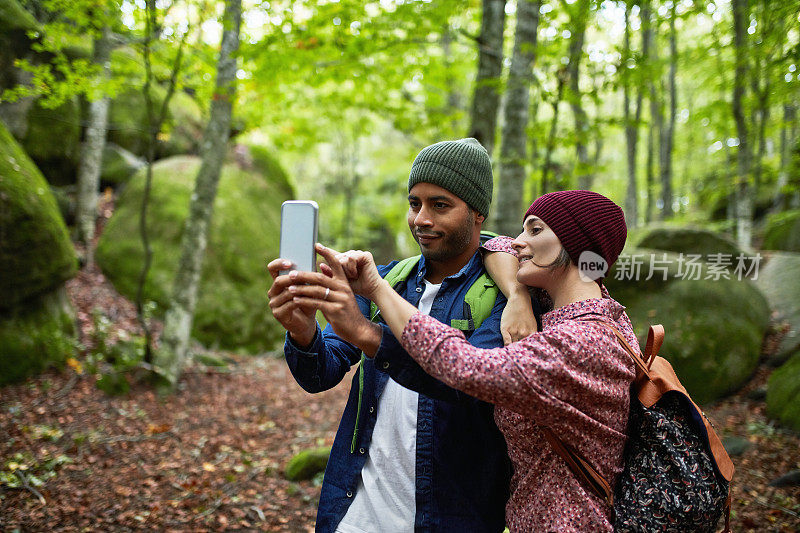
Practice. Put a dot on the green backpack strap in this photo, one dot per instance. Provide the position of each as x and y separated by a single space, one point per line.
478 303
397 274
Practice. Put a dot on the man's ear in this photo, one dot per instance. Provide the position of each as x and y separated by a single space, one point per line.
480 218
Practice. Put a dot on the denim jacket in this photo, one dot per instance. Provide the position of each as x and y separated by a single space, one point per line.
462 466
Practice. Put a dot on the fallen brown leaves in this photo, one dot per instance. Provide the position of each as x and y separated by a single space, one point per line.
210 457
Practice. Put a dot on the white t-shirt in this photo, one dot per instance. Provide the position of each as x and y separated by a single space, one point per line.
385 499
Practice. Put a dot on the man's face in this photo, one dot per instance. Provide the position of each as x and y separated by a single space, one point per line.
442 223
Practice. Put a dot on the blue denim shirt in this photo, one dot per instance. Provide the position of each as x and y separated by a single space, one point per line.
462 466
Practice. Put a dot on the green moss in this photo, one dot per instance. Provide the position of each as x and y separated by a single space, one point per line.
714 328
307 464
688 241
778 280
36 254
266 164
783 393
782 232
231 310
37 335
53 140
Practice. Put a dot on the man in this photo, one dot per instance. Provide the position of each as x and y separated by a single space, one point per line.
410 454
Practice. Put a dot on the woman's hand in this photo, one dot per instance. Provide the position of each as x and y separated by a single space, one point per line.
517 321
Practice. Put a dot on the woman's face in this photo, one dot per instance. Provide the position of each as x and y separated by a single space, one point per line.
537 247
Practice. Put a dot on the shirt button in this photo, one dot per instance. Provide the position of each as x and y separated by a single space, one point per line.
386 365
371 409
349 493
362 451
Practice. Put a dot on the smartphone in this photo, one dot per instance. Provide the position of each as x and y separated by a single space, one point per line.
299 234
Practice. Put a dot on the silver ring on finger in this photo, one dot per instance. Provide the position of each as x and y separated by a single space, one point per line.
327 292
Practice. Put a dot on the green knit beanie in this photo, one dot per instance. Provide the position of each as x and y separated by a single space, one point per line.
462 167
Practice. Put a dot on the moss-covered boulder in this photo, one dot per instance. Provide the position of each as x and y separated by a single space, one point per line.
15 17
714 326
118 165
36 335
782 231
779 280
687 240
128 124
53 140
36 254
307 464
231 310
783 393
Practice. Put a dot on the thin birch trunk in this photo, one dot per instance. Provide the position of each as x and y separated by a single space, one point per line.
91 160
513 155
179 316
631 126
744 200
787 140
486 96
578 19
669 131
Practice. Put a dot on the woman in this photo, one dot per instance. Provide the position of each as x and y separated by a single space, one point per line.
573 376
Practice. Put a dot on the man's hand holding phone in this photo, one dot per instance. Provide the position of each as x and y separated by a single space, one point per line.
300 323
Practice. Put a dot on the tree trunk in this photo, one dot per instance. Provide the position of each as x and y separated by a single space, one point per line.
513 155
631 125
744 200
669 131
179 316
486 97
92 152
787 141
656 114
551 136
578 18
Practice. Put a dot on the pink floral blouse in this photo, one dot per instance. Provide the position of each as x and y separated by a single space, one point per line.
573 376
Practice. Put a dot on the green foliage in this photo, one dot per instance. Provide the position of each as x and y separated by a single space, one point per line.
36 254
231 310
783 394
23 468
14 17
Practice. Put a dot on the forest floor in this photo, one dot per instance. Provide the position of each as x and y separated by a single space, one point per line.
211 456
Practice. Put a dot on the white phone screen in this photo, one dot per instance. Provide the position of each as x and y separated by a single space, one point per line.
299 234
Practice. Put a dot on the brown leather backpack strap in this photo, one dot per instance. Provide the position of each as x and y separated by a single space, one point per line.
579 466
727 513
655 338
642 367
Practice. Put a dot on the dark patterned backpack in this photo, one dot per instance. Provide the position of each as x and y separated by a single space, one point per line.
676 473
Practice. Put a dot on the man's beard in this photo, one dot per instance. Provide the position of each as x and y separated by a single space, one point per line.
452 244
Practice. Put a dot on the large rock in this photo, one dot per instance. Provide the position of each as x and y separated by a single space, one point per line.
36 335
714 327
53 140
779 280
36 254
688 241
36 257
783 394
231 309
128 126
782 232
118 165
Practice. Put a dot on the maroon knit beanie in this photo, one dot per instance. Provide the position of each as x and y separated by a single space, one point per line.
583 220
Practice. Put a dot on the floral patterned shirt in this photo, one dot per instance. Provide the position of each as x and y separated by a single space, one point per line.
572 376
